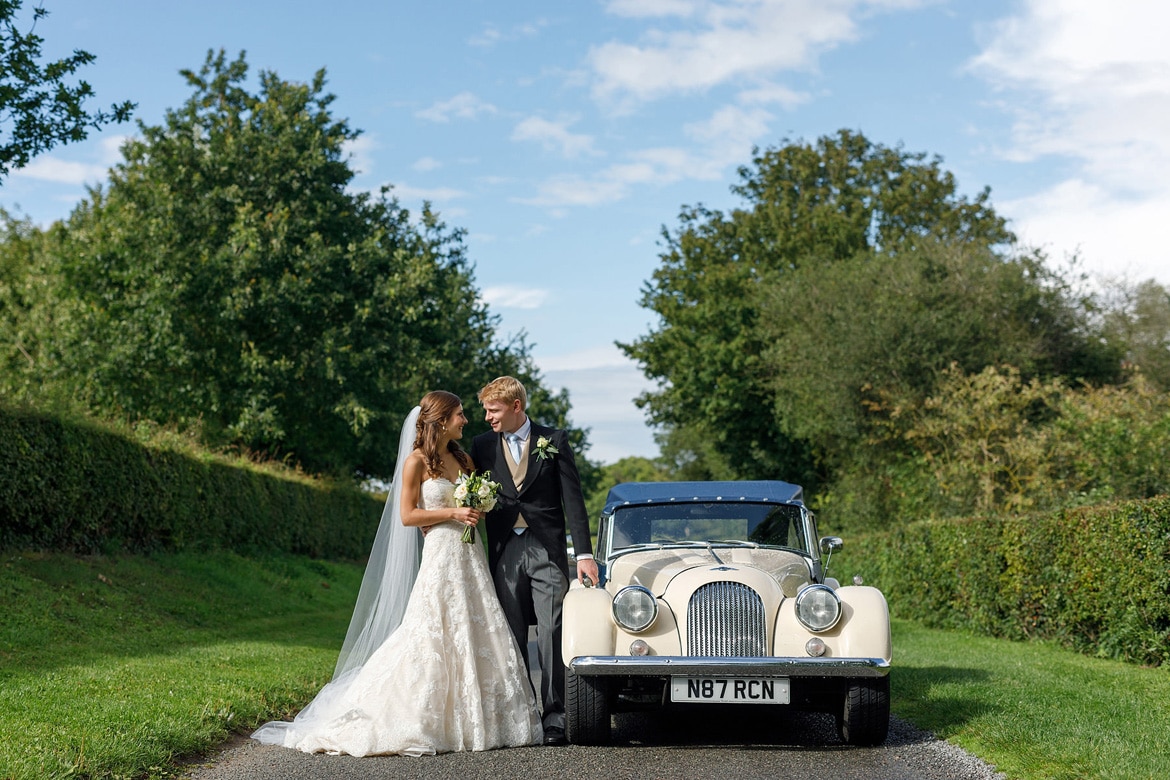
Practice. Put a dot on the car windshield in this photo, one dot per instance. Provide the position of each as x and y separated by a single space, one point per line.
780 525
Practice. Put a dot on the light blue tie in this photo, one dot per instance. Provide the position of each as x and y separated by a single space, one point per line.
514 446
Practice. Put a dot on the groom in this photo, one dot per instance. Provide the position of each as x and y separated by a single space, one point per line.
540 493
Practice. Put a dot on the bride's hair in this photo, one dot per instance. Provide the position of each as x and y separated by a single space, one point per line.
435 408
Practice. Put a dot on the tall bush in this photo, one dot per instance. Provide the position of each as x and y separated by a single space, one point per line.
82 488
994 442
1094 578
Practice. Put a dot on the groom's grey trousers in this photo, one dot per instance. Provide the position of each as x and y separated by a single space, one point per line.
530 585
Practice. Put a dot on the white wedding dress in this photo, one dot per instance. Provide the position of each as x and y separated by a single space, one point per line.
449 678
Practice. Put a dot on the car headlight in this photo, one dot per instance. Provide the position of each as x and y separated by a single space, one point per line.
634 608
818 608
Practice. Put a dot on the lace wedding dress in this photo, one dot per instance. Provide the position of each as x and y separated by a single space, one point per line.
449 678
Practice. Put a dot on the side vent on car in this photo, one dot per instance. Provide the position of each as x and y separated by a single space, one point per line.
726 619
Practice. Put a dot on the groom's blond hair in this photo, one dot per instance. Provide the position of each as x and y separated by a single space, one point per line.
505 389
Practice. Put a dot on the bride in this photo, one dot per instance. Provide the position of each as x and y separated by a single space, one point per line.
428 664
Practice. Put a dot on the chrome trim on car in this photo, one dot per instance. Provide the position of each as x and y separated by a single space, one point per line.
726 618
666 665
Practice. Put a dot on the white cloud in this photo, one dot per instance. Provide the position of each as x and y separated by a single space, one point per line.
53 169
774 93
724 139
1114 237
50 168
487 37
604 356
729 134
462 106
1090 83
492 35
554 136
577 191
513 296
602 385
426 164
438 194
646 8
359 151
712 43
111 149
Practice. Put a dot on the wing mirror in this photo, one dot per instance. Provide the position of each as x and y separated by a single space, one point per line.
828 545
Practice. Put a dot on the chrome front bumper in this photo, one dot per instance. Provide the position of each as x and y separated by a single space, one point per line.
694 666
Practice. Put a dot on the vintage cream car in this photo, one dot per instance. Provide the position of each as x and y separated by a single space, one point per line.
715 593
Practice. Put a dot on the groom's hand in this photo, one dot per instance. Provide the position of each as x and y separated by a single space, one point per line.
587 567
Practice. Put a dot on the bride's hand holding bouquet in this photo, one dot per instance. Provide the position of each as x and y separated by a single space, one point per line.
477 491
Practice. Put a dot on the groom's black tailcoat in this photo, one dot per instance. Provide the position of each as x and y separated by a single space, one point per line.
551 498
531 572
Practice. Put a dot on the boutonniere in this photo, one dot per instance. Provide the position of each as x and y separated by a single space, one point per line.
545 448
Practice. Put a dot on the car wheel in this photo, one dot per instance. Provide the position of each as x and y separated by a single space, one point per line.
586 709
865 717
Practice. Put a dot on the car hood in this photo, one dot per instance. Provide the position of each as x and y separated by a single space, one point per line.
656 568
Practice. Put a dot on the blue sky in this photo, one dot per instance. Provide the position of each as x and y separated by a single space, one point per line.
563 136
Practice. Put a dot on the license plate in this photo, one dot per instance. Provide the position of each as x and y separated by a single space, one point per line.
730 690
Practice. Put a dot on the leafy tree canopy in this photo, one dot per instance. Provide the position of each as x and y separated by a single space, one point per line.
1137 318
227 277
807 205
891 322
39 108
629 469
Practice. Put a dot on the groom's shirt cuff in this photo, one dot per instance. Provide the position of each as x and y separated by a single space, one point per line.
584 557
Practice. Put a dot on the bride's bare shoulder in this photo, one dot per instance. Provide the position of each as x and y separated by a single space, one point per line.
415 465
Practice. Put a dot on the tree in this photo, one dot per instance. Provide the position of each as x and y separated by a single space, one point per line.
806 205
38 108
16 249
227 278
990 442
629 469
1137 320
889 323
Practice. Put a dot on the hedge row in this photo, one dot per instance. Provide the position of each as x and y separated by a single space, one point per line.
76 487
1096 579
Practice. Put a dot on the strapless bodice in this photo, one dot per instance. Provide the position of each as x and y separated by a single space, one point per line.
438 492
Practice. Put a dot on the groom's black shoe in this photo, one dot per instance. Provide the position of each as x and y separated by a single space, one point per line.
555 736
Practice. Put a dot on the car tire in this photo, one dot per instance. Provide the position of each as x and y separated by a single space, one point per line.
586 709
865 716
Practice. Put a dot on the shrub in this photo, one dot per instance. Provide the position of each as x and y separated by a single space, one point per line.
80 487
1093 578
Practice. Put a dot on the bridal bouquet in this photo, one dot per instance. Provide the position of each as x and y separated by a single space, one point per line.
478 492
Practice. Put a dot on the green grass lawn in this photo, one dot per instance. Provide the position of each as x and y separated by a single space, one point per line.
1032 709
116 667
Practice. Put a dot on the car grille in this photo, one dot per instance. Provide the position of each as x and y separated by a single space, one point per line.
726 619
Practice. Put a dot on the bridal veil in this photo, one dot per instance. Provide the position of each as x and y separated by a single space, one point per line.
390 573
381 602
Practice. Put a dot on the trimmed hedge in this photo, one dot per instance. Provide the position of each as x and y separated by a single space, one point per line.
77 487
1096 579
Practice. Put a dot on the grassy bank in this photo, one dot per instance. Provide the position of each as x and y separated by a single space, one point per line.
1033 709
113 667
